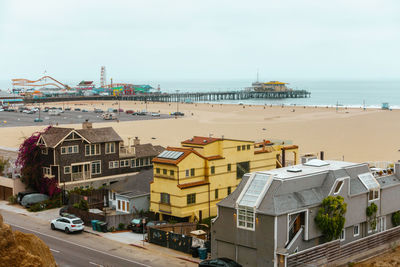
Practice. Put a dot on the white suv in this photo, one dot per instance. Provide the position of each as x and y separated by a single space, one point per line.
68 224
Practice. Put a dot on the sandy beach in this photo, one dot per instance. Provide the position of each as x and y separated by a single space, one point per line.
349 134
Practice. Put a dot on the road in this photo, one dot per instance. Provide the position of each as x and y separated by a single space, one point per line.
85 249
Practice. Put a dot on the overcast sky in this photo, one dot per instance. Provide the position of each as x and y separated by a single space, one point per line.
201 40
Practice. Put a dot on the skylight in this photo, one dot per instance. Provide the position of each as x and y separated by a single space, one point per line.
254 190
368 181
168 154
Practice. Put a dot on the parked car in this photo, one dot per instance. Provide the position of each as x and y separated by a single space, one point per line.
177 113
54 112
155 114
34 198
21 195
129 111
97 110
37 120
67 109
120 110
219 262
136 225
109 116
152 223
141 113
84 110
63 211
77 109
68 224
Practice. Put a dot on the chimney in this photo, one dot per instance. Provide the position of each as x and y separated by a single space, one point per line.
136 141
321 157
87 125
397 168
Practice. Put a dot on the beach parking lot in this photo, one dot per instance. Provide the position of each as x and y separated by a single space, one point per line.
15 118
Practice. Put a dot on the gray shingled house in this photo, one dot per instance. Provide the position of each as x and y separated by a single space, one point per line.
132 194
91 156
271 213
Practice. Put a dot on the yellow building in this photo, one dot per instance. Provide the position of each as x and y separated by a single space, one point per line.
190 180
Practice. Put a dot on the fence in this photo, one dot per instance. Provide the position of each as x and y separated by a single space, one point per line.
96 198
171 240
335 253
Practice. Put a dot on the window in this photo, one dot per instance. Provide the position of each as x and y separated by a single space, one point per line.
229 167
133 163
146 161
138 163
157 170
113 164
187 173
242 168
113 196
123 205
164 171
243 147
171 172
67 169
370 229
119 204
45 151
212 169
69 149
192 172
229 190
93 149
164 198
238 148
216 193
343 235
96 167
338 186
124 163
248 147
246 217
191 199
373 194
127 206
46 171
356 230
141 162
110 148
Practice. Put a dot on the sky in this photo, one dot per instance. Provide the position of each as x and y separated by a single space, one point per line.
204 40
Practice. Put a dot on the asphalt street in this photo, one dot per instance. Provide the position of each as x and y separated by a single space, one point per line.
85 249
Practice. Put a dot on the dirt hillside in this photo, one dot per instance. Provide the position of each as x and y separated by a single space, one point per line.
20 249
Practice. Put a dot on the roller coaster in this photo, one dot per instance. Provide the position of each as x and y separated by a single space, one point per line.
38 82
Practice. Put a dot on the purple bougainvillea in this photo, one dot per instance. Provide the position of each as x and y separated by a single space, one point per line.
31 166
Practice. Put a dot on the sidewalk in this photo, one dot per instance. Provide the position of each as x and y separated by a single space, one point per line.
128 238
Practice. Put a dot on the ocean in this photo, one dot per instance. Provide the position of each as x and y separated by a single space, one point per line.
323 92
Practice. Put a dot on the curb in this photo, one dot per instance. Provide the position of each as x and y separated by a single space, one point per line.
96 234
189 260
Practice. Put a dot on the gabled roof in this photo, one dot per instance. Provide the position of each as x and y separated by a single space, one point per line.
100 135
186 152
54 135
147 150
199 140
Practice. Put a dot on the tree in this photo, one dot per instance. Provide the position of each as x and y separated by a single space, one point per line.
31 166
330 218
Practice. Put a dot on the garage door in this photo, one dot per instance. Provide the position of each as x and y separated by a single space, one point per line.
5 192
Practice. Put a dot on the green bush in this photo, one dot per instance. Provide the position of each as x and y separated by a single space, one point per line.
111 229
396 218
37 207
12 200
121 226
371 214
330 218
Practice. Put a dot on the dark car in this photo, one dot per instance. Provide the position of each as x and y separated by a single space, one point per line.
136 225
142 113
129 111
153 223
77 109
67 109
219 262
177 113
97 110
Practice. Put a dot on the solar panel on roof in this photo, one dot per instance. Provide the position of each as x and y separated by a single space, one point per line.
253 192
168 154
368 181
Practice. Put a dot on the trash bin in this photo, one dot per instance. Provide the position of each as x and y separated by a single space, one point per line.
98 227
103 227
202 253
94 224
207 244
195 251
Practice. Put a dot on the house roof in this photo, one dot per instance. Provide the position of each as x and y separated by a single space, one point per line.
54 135
134 185
186 152
100 135
147 150
200 140
291 191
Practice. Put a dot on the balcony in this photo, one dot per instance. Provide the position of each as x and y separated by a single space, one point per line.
165 208
78 176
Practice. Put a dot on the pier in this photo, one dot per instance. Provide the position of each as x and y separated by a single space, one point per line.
184 96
